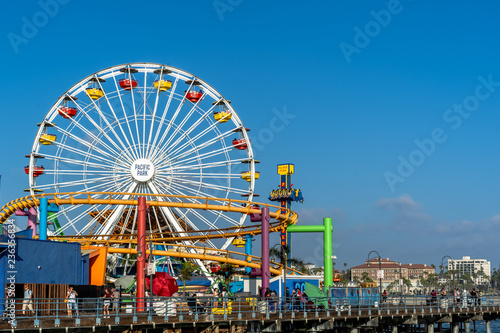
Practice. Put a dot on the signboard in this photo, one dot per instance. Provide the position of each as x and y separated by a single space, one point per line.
285 169
150 268
142 170
380 274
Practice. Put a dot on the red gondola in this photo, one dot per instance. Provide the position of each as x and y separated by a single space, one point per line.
37 171
128 84
214 267
67 111
255 217
240 144
194 96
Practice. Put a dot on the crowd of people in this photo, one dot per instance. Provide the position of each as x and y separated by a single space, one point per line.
456 297
295 301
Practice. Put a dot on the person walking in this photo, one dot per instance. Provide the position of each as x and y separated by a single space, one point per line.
434 297
464 297
443 297
215 295
298 299
108 296
287 299
28 301
224 297
473 295
116 300
71 303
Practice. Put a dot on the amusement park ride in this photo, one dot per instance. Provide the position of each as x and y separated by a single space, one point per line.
145 130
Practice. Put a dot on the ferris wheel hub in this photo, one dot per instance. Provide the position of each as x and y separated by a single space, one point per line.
142 170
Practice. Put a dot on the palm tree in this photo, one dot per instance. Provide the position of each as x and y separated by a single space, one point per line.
366 278
226 271
278 252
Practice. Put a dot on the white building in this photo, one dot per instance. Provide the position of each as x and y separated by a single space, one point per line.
466 265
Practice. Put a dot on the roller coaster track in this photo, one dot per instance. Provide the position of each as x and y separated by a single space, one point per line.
113 198
202 253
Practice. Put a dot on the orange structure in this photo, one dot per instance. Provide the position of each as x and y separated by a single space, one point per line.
97 264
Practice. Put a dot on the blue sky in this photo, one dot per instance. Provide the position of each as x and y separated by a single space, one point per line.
368 94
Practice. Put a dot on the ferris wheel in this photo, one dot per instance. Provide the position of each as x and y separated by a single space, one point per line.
142 128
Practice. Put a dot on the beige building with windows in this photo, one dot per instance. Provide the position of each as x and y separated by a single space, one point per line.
392 271
473 267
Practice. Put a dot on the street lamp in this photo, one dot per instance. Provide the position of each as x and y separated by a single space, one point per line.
441 274
400 284
368 264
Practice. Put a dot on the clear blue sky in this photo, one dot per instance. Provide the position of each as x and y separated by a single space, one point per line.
361 89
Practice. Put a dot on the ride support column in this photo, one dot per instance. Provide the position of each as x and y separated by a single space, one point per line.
44 204
248 251
265 250
327 230
141 248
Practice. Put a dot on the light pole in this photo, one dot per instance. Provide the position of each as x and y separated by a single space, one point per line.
441 275
379 268
400 284
333 266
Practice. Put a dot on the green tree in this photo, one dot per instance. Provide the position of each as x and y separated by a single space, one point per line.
392 286
226 272
430 281
187 270
466 280
278 252
366 278
406 284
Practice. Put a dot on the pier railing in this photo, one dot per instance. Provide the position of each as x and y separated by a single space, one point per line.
206 307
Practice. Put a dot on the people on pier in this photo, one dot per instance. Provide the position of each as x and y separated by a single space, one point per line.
215 294
456 294
464 297
473 296
442 294
108 296
384 296
71 303
224 295
192 303
434 299
287 299
28 301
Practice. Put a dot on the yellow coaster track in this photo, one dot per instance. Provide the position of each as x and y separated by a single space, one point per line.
202 253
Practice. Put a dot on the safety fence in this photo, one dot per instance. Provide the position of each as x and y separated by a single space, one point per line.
192 308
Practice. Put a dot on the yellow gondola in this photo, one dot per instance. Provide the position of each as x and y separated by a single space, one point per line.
47 139
222 116
247 175
94 93
163 85
239 242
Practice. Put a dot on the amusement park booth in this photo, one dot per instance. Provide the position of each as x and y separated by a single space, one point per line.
43 265
293 282
41 261
253 284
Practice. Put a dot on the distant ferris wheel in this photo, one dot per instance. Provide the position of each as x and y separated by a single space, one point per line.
142 128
